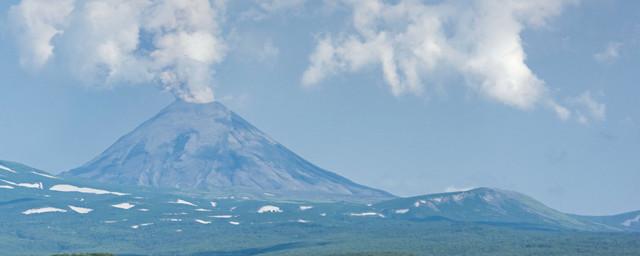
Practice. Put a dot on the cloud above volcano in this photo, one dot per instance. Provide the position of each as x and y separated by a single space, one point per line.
174 44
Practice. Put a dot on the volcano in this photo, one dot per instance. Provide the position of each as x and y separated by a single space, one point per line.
207 148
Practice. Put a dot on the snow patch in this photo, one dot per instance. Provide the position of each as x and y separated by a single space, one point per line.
203 221
6 186
366 214
37 185
222 216
43 210
202 210
175 213
402 211
124 206
72 188
303 221
143 210
459 197
141 225
437 199
629 222
305 207
114 221
429 203
488 198
234 223
269 209
45 175
2 167
180 201
80 210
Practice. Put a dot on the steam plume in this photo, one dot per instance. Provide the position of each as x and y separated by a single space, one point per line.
173 43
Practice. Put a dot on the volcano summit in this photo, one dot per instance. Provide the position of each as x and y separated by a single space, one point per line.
208 148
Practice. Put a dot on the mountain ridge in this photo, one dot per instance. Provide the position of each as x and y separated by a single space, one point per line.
26 188
485 205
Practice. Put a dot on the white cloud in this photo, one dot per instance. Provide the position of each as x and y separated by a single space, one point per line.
277 5
108 32
411 41
104 41
268 52
323 62
265 8
588 109
610 53
562 112
36 22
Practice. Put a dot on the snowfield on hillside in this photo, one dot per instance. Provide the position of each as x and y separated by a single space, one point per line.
2 167
269 209
125 206
43 210
72 188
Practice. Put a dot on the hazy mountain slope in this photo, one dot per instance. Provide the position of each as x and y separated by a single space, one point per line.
484 205
206 147
629 221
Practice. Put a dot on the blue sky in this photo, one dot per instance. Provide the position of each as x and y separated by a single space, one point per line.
459 126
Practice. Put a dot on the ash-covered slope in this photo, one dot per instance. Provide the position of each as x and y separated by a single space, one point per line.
207 147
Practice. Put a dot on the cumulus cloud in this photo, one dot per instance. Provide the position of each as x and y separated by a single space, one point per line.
36 22
172 43
410 41
610 53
